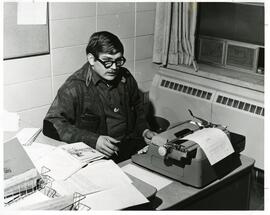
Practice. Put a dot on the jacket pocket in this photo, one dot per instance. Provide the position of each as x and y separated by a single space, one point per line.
89 122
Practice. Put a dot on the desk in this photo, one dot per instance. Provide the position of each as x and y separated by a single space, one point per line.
232 192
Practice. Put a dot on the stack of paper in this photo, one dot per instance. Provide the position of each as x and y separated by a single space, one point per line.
33 198
39 201
20 173
28 135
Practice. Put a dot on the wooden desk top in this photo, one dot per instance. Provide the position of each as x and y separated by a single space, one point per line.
178 192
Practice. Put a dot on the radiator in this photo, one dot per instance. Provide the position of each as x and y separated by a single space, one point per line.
243 116
173 97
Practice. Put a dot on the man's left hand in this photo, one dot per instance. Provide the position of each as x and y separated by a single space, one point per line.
148 135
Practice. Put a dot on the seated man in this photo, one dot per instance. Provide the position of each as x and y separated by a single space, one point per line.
100 103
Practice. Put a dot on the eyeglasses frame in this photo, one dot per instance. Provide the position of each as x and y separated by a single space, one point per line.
113 62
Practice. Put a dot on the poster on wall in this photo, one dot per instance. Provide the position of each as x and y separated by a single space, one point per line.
26 31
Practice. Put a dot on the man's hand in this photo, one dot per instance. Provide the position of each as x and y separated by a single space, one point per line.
147 135
105 145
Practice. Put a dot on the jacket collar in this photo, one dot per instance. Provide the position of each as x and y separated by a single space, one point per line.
96 78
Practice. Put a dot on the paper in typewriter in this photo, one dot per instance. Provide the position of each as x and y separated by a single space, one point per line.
214 142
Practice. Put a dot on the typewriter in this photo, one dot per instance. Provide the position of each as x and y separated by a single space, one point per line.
170 154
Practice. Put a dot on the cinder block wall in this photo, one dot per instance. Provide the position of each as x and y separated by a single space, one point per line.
30 84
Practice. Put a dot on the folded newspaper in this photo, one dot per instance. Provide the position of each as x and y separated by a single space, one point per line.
82 152
65 160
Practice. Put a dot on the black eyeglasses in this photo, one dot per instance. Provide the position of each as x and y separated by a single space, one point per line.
118 62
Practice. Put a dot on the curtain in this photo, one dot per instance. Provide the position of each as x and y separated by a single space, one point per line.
174 36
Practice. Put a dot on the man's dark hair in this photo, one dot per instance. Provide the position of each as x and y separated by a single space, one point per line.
104 42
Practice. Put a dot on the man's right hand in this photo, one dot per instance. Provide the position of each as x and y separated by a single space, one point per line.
105 144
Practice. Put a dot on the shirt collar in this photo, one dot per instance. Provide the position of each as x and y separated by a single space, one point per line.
96 78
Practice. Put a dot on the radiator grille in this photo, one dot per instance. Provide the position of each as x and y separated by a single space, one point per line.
234 103
186 89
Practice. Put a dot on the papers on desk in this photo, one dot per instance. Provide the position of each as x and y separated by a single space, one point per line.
105 185
116 198
214 142
95 177
65 160
154 179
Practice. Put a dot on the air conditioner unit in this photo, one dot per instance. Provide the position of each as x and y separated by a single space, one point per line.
211 50
230 54
242 57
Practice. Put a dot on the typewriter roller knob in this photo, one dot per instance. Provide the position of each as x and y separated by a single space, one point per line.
162 150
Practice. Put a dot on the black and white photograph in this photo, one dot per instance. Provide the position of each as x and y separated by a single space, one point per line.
124 106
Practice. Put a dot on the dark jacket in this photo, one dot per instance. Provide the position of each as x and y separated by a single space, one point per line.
77 114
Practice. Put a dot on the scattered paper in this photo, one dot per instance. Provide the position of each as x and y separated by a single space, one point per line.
31 13
117 198
154 179
28 135
214 142
104 173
